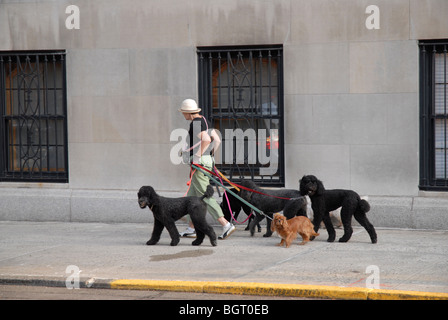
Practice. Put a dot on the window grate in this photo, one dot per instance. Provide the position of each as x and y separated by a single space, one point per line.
433 115
241 92
33 111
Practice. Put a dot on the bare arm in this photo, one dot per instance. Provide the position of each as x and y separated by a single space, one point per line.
216 141
205 142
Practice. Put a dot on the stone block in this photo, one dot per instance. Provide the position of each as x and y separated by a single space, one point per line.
391 212
116 24
119 119
164 71
430 213
317 68
34 204
30 26
107 206
384 169
233 22
325 21
123 166
428 19
98 72
366 119
330 163
384 67
298 119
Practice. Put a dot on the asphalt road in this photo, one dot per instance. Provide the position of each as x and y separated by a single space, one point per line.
21 292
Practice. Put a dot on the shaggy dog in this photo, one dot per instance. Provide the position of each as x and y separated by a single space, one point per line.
288 229
323 201
167 210
293 205
236 206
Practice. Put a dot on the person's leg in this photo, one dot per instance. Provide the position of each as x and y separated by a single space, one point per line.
193 191
199 183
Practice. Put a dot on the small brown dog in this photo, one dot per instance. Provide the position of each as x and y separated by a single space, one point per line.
288 229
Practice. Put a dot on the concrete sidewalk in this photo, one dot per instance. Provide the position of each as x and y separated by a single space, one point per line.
407 263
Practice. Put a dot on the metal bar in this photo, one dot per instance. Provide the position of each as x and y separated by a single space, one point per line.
209 105
12 151
38 120
280 114
219 92
433 112
55 102
445 113
233 49
31 53
3 137
423 117
47 133
431 43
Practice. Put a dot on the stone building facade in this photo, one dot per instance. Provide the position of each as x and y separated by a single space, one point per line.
348 92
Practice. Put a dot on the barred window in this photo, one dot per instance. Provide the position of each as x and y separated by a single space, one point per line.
33 112
433 115
241 93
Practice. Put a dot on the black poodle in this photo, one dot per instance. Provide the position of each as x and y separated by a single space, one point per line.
293 205
236 205
167 210
323 201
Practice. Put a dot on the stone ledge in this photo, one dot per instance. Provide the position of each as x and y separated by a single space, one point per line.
115 206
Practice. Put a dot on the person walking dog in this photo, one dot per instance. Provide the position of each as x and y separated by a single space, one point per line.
201 136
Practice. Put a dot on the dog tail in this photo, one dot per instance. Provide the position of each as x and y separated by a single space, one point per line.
364 206
208 192
314 234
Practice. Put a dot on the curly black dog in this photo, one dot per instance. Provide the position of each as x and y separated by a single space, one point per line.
236 206
167 210
323 201
293 205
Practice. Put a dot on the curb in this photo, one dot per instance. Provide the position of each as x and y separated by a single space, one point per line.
274 289
242 288
84 282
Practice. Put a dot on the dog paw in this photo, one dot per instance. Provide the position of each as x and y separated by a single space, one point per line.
196 242
151 242
174 242
331 239
343 239
267 235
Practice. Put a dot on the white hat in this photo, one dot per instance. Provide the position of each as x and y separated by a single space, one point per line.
189 106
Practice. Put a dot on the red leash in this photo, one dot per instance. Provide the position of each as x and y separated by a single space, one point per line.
225 193
230 208
240 186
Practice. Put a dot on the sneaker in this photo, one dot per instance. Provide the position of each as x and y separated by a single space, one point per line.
228 230
188 233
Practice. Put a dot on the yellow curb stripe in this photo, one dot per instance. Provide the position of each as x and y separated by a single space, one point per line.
379 294
285 290
181 286
274 289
